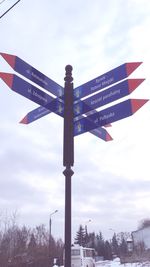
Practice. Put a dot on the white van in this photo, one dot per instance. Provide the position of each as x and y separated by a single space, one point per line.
82 257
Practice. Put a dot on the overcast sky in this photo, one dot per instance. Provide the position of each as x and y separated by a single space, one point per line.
111 182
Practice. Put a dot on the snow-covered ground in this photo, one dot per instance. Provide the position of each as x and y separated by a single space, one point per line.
116 263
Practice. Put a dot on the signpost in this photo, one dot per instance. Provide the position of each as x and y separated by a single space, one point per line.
33 93
35 115
33 74
106 79
49 104
107 96
41 111
68 104
39 78
108 115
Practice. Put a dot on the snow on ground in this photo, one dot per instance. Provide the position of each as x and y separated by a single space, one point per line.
116 263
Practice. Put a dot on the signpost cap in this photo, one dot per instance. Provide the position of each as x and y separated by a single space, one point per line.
68 68
68 77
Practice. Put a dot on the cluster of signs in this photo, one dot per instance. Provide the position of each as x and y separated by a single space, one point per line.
86 117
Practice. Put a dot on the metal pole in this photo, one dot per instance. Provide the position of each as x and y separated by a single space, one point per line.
50 224
68 158
50 236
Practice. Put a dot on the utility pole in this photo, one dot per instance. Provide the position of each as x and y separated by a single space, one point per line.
68 158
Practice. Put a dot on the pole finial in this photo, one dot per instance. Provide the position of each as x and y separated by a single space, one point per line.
68 77
69 68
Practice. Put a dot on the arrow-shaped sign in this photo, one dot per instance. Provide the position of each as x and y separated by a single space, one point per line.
102 81
49 104
102 134
36 76
33 74
35 115
94 85
105 80
107 96
31 92
108 115
41 111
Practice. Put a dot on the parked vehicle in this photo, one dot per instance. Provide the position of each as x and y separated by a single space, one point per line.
82 257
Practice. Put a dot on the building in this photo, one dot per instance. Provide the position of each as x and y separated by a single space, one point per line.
142 236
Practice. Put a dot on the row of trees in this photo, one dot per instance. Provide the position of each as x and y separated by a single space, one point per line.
117 246
25 246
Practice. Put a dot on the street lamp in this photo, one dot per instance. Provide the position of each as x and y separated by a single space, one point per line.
50 229
86 231
86 225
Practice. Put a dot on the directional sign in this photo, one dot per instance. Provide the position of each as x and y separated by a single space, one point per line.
108 115
41 111
111 94
31 92
102 134
49 103
107 96
105 80
35 115
33 74
36 76
91 122
90 87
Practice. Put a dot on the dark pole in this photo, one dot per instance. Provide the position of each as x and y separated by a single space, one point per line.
68 158
50 236
50 225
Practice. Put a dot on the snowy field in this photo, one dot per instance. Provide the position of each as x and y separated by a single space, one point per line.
117 264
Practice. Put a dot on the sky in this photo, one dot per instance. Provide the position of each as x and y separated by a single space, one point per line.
111 181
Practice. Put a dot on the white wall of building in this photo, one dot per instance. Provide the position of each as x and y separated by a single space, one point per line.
142 235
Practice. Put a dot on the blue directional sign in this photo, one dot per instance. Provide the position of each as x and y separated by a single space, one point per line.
92 122
35 115
102 134
90 87
105 80
31 92
107 96
33 74
48 103
111 94
108 115
41 111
